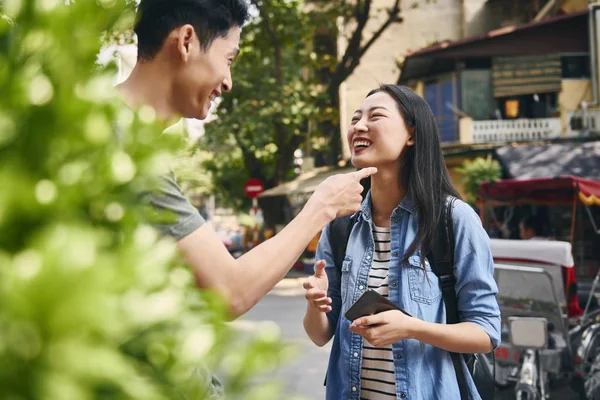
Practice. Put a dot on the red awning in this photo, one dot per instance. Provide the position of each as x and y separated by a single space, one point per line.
559 190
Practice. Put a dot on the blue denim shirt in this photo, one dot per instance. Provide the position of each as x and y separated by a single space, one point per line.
423 371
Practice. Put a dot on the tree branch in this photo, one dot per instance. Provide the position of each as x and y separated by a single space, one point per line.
266 21
297 140
355 51
251 163
361 14
392 17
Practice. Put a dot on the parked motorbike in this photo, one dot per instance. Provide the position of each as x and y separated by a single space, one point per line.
550 354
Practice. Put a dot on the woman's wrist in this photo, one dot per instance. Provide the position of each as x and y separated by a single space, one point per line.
417 328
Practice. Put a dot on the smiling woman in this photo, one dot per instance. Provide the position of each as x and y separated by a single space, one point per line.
392 355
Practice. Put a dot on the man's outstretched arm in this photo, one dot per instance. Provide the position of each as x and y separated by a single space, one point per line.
244 281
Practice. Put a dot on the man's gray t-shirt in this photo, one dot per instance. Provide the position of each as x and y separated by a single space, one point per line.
169 198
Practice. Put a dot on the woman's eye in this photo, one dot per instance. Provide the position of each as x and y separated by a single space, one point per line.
376 116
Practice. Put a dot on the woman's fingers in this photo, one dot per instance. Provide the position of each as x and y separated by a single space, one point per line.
307 285
319 299
315 294
322 301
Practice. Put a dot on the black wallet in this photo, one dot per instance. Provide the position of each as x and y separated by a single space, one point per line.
369 303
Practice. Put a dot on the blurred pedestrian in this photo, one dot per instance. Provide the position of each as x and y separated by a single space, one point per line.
531 227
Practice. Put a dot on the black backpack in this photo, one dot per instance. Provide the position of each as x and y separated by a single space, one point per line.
480 366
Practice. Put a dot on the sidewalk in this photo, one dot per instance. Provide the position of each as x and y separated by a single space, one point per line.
291 285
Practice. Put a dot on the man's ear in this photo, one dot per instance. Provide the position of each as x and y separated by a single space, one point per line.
185 37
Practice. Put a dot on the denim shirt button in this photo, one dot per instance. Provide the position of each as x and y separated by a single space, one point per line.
394 284
355 355
395 254
361 287
368 258
354 388
395 220
403 395
399 356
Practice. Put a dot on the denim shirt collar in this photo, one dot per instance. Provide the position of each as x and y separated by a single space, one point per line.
367 205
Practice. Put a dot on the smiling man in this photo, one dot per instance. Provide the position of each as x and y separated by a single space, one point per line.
185 52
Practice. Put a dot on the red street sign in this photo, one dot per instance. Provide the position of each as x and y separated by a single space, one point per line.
253 188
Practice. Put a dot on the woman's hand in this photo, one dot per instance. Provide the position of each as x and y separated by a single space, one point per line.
389 327
385 328
316 289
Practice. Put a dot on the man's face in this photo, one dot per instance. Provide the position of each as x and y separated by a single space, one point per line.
202 76
525 233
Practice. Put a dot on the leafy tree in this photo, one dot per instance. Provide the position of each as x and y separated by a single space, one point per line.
477 171
283 82
355 15
94 304
264 120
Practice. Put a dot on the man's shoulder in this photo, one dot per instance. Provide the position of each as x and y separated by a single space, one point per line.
170 198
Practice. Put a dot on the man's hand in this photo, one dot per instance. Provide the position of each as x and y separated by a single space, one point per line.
316 289
339 195
385 328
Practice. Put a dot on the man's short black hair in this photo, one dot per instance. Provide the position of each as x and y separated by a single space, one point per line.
535 223
211 19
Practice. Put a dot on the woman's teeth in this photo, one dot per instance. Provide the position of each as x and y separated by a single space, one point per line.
361 144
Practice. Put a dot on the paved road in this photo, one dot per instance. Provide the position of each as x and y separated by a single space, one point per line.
303 377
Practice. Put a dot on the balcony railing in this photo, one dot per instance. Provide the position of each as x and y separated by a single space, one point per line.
582 122
519 130
502 131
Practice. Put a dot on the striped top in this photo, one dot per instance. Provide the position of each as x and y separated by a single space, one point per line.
377 378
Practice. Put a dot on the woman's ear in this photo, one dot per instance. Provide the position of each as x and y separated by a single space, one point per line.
411 137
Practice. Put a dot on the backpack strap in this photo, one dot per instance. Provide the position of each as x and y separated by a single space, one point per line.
443 267
339 234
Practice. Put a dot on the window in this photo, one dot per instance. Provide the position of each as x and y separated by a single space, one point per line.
542 105
511 108
575 66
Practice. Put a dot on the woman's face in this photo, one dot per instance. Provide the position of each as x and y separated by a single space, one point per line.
377 135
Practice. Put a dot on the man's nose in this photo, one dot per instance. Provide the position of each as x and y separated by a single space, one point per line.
227 84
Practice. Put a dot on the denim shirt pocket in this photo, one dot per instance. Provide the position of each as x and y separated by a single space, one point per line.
345 279
424 284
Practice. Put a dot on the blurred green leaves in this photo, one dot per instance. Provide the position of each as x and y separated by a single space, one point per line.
94 304
265 118
477 171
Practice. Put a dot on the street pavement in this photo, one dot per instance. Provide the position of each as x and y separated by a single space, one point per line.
303 376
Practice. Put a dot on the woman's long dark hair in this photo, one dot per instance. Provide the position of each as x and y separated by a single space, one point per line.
424 175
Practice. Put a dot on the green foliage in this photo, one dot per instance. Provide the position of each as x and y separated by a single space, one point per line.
94 304
286 89
477 171
265 118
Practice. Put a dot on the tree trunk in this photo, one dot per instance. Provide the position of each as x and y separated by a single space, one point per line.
332 127
287 144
